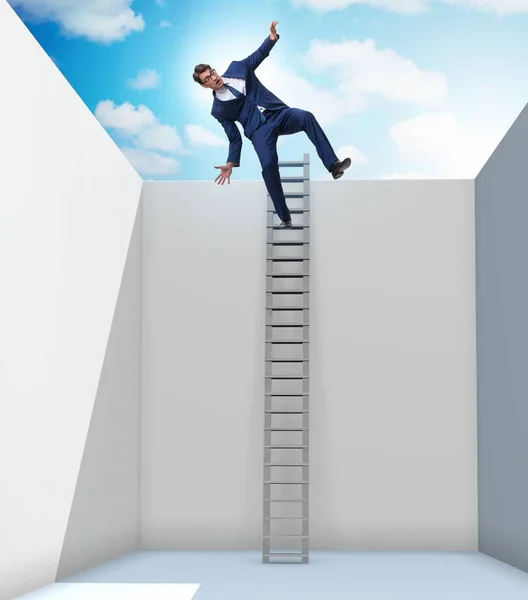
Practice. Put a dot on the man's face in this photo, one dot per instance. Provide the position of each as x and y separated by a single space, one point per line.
211 79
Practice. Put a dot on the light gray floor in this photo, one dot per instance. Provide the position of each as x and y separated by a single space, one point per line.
114 591
329 576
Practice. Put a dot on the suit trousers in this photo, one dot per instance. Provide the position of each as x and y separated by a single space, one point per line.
286 121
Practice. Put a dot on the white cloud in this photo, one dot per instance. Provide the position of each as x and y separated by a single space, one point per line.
325 6
357 157
102 21
125 118
319 173
327 105
145 136
139 124
151 163
146 79
415 6
197 135
501 7
161 137
438 144
362 69
164 24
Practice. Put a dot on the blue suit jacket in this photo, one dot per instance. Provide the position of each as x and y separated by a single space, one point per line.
245 109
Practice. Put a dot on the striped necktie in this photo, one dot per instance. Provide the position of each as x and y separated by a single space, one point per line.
233 90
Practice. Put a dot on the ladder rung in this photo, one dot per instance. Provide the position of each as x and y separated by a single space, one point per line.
293 163
288 258
286 308
287 360
293 211
284 500
289 228
287 275
286 243
287 325
286 482
286 377
289 396
276 464
285 559
286 341
285 536
285 429
284 554
286 412
287 291
294 179
285 446
281 517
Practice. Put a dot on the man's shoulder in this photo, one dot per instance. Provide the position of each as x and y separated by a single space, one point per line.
237 69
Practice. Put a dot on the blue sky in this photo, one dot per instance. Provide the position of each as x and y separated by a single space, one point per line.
406 88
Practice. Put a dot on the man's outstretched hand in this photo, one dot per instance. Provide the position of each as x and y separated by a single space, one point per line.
273 31
225 173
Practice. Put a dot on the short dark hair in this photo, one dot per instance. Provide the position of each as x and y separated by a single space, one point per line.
198 70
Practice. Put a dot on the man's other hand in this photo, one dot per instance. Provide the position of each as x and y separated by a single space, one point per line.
225 173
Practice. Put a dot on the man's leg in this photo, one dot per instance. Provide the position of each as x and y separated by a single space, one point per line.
295 120
264 141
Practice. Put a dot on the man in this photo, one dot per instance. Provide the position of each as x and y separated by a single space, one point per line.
238 95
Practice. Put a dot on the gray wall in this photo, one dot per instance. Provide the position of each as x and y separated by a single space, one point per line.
68 204
502 350
393 399
104 518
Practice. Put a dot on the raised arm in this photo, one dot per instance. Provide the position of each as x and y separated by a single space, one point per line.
255 59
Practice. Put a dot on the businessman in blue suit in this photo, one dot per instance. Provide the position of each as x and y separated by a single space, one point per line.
238 95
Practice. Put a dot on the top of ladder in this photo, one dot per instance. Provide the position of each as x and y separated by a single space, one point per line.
293 163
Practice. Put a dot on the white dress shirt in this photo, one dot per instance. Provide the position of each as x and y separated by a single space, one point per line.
223 94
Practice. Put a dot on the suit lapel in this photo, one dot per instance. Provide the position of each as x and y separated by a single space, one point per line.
236 70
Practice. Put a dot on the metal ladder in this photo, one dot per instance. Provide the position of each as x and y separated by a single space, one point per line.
286 432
